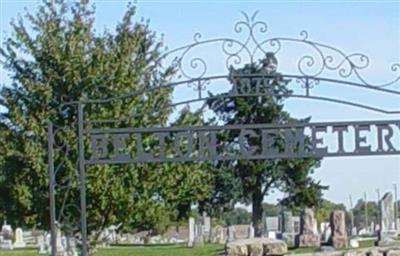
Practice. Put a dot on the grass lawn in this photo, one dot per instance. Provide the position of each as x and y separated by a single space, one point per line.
150 250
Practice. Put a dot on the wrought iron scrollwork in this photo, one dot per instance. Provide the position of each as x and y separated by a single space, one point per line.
254 44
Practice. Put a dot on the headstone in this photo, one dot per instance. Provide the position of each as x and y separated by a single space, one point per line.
296 224
363 232
30 237
231 233
287 222
308 237
19 239
219 235
354 243
69 246
251 231
386 233
241 231
354 231
207 227
271 234
6 244
6 231
191 232
288 234
326 233
198 236
338 229
6 237
42 248
272 223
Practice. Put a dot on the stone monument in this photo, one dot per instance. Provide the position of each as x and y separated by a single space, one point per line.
386 233
338 229
308 237
19 239
42 247
288 234
6 237
250 231
191 232
207 227
231 233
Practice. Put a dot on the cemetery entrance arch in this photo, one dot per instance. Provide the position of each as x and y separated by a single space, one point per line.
101 139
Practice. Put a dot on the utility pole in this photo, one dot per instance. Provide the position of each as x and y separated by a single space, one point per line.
351 214
395 206
366 210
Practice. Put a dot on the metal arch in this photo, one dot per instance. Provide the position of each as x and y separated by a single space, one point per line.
255 42
306 83
187 102
193 72
202 80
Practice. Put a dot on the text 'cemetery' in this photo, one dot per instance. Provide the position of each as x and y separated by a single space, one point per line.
257 141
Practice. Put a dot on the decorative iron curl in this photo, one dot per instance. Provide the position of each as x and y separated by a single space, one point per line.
251 44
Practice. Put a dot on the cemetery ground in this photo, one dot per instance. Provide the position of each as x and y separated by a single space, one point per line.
167 250
149 250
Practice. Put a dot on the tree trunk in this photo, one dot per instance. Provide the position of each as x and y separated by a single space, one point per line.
257 213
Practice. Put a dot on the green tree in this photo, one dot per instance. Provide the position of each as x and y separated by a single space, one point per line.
271 209
237 216
55 55
324 209
359 211
255 179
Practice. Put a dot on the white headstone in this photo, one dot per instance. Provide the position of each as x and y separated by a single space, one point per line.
19 239
69 245
272 223
6 231
42 248
251 231
354 231
191 232
326 233
6 244
354 243
272 234
231 233
315 227
207 224
6 237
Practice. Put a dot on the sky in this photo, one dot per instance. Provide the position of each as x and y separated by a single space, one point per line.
368 27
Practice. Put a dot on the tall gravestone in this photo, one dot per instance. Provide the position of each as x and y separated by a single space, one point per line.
19 238
231 233
250 233
6 237
288 234
308 237
338 229
42 247
386 233
296 224
207 227
191 232
199 235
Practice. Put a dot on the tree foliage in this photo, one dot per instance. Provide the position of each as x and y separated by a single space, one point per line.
55 56
253 180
